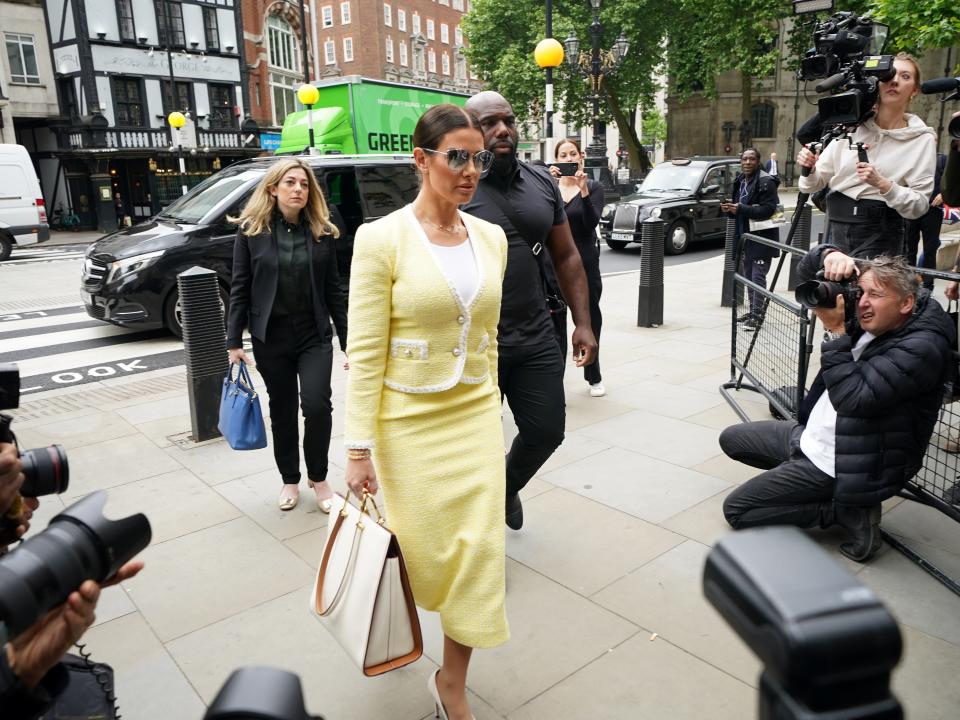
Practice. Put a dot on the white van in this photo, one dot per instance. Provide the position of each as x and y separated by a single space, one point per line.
23 216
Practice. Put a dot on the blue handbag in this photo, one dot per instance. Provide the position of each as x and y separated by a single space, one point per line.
241 421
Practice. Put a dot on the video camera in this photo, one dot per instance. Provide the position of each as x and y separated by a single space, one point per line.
846 53
46 470
945 85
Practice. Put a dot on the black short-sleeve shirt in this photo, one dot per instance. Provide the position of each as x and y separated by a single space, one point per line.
534 195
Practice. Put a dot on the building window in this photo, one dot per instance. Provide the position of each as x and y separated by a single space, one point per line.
330 52
403 53
183 97
444 33
445 64
283 59
169 13
221 106
22 54
431 30
458 35
128 107
460 69
387 15
761 120
401 20
344 13
418 63
416 24
348 49
458 5
389 49
125 20
445 2
432 61
326 13
211 32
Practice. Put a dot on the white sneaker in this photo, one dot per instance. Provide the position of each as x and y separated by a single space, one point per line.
597 390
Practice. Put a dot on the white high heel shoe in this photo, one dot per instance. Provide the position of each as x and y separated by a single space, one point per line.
432 688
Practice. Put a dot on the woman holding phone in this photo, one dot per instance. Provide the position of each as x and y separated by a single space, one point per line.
583 204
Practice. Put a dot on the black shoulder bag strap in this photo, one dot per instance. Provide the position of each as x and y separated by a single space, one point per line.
555 302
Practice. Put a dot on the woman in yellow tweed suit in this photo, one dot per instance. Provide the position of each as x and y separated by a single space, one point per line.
423 406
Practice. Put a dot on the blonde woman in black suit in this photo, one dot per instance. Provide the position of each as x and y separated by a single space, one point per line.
285 289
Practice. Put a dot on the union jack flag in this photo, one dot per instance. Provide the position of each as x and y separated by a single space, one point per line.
951 214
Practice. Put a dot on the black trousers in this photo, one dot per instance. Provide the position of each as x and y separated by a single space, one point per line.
294 349
755 267
591 373
928 227
792 491
884 235
531 378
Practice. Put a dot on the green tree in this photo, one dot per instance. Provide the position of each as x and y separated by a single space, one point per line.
715 36
503 34
653 127
919 26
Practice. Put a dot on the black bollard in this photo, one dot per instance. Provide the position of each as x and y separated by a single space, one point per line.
204 346
801 239
650 299
729 269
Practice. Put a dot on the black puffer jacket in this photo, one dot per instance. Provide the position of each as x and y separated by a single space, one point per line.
760 204
887 401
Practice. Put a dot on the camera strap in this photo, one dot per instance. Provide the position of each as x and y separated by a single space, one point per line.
554 301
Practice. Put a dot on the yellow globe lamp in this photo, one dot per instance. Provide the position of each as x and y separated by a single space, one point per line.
176 119
308 94
548 53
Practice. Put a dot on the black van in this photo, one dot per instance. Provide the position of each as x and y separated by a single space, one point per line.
130 276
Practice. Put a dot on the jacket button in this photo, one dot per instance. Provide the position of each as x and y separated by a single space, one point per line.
461 319
456 352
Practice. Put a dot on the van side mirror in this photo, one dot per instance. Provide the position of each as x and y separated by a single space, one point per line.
710 189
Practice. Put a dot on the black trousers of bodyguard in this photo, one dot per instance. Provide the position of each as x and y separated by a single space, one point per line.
531 379
294 350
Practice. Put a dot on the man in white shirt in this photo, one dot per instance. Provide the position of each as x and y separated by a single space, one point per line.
865 423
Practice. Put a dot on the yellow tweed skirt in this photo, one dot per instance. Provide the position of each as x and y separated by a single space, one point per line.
440 464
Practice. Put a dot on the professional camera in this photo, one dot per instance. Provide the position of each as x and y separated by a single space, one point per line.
79 544
945 85
263 693
822 293
827 644
846 53
45 470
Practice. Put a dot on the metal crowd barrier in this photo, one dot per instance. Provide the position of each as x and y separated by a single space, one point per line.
774 360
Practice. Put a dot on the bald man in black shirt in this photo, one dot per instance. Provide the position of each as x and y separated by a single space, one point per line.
531 364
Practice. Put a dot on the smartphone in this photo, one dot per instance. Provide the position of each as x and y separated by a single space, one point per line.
567 169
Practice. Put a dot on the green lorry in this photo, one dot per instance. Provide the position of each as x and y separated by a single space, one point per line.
357 115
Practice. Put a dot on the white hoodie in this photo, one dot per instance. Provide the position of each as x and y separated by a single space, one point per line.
907 157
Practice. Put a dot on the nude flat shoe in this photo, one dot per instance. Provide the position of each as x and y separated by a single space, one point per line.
286 502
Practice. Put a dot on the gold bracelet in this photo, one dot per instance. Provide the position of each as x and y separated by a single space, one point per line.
358 454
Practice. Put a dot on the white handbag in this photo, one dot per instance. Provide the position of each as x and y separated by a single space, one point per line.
362 593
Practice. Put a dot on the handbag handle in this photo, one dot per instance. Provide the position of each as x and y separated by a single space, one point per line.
358 528
243 376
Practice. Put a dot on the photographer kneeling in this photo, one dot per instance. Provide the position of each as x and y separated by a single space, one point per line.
864 426
31 674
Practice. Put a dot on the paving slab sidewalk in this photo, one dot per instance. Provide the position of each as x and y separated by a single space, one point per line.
603 594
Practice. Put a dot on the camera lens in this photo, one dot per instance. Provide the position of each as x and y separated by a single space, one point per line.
79 544
45 471
816 294
954 127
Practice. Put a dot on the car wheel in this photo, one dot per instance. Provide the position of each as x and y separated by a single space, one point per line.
677 239
171 310
616 244
6 247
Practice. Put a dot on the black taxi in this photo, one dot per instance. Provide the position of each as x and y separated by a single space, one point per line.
685 193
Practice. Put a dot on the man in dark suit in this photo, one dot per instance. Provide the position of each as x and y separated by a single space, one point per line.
771 168
754 198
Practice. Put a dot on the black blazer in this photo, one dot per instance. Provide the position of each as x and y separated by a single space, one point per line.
254 287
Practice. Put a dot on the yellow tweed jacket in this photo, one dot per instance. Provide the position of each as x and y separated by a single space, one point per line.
409 329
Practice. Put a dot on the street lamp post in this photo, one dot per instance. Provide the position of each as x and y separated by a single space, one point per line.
548 54
601 64
177 121
308 95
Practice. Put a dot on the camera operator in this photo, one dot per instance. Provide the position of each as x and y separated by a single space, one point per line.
951 175
31 675
754 198
869 200
864 426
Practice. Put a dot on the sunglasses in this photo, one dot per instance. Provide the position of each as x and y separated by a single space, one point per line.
457 158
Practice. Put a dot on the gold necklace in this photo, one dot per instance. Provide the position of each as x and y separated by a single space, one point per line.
450 229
